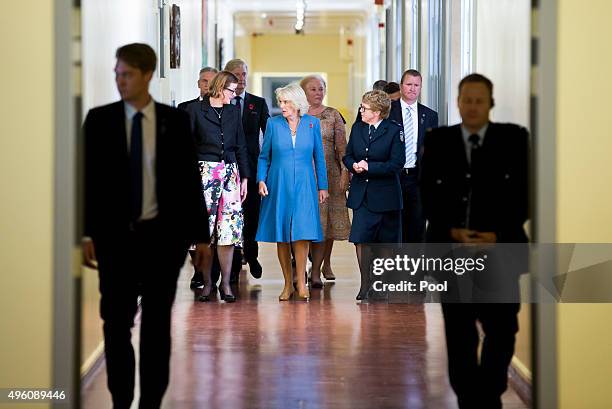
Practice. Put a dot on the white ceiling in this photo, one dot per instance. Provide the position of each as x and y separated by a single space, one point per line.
323 22
290 5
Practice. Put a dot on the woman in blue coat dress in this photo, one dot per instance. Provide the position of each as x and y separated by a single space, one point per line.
289 213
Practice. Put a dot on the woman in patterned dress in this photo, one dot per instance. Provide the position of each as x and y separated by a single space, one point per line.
333 213
224 169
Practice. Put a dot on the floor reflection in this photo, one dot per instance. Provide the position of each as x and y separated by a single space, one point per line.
326 353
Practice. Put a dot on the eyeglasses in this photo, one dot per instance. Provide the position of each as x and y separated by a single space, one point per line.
233 91
363 109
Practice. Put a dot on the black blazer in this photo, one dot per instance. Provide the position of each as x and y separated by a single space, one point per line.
254 118
183 105
492 197
379 186
207 128
107 177
428 118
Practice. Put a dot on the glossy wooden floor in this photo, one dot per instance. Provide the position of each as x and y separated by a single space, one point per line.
327 353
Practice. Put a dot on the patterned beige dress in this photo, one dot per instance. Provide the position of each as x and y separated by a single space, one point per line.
334 213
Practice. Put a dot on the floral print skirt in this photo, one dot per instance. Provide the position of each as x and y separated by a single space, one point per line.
221 187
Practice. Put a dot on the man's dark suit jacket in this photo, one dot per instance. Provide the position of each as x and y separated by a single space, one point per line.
491 197
379 185
183 105
107 175
207 129
428 118
254 118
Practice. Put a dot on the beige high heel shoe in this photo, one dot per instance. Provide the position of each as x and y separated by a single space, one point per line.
285 295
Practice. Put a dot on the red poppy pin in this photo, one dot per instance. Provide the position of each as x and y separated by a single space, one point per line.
311 125
251 107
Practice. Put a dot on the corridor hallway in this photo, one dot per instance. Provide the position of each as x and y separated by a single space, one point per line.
328 353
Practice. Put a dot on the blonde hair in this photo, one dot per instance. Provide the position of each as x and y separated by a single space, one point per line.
219 82
378 101
295 95
312 77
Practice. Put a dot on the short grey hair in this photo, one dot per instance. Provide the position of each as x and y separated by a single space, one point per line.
231 65
209 69
295 95
313 77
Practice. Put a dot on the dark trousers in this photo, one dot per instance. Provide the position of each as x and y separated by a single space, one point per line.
413 222
145 262
479 383
251 219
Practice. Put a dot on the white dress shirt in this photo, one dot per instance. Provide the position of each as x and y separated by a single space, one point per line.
414 111
149 196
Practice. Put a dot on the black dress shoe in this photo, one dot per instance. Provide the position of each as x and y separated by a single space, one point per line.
316 284
197 280
227 297
255 269
206 297
362 295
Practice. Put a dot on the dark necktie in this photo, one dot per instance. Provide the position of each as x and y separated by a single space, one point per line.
371 131
136 167
238 100
475 153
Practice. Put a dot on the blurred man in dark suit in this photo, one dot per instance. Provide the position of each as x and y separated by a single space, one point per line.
254 117
475 190
143 209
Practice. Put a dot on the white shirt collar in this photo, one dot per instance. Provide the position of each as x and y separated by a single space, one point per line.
412 106
242 95
148 111
377 124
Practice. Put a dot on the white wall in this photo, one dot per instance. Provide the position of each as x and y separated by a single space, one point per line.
503 38
108 24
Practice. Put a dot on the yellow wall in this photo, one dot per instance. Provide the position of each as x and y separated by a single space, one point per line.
92 339
522 350
26 208
584 193
307 53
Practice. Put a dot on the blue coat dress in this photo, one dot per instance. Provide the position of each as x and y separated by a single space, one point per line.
290 212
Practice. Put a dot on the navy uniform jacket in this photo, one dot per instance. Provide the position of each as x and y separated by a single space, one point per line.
379 186
428 118
492 197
